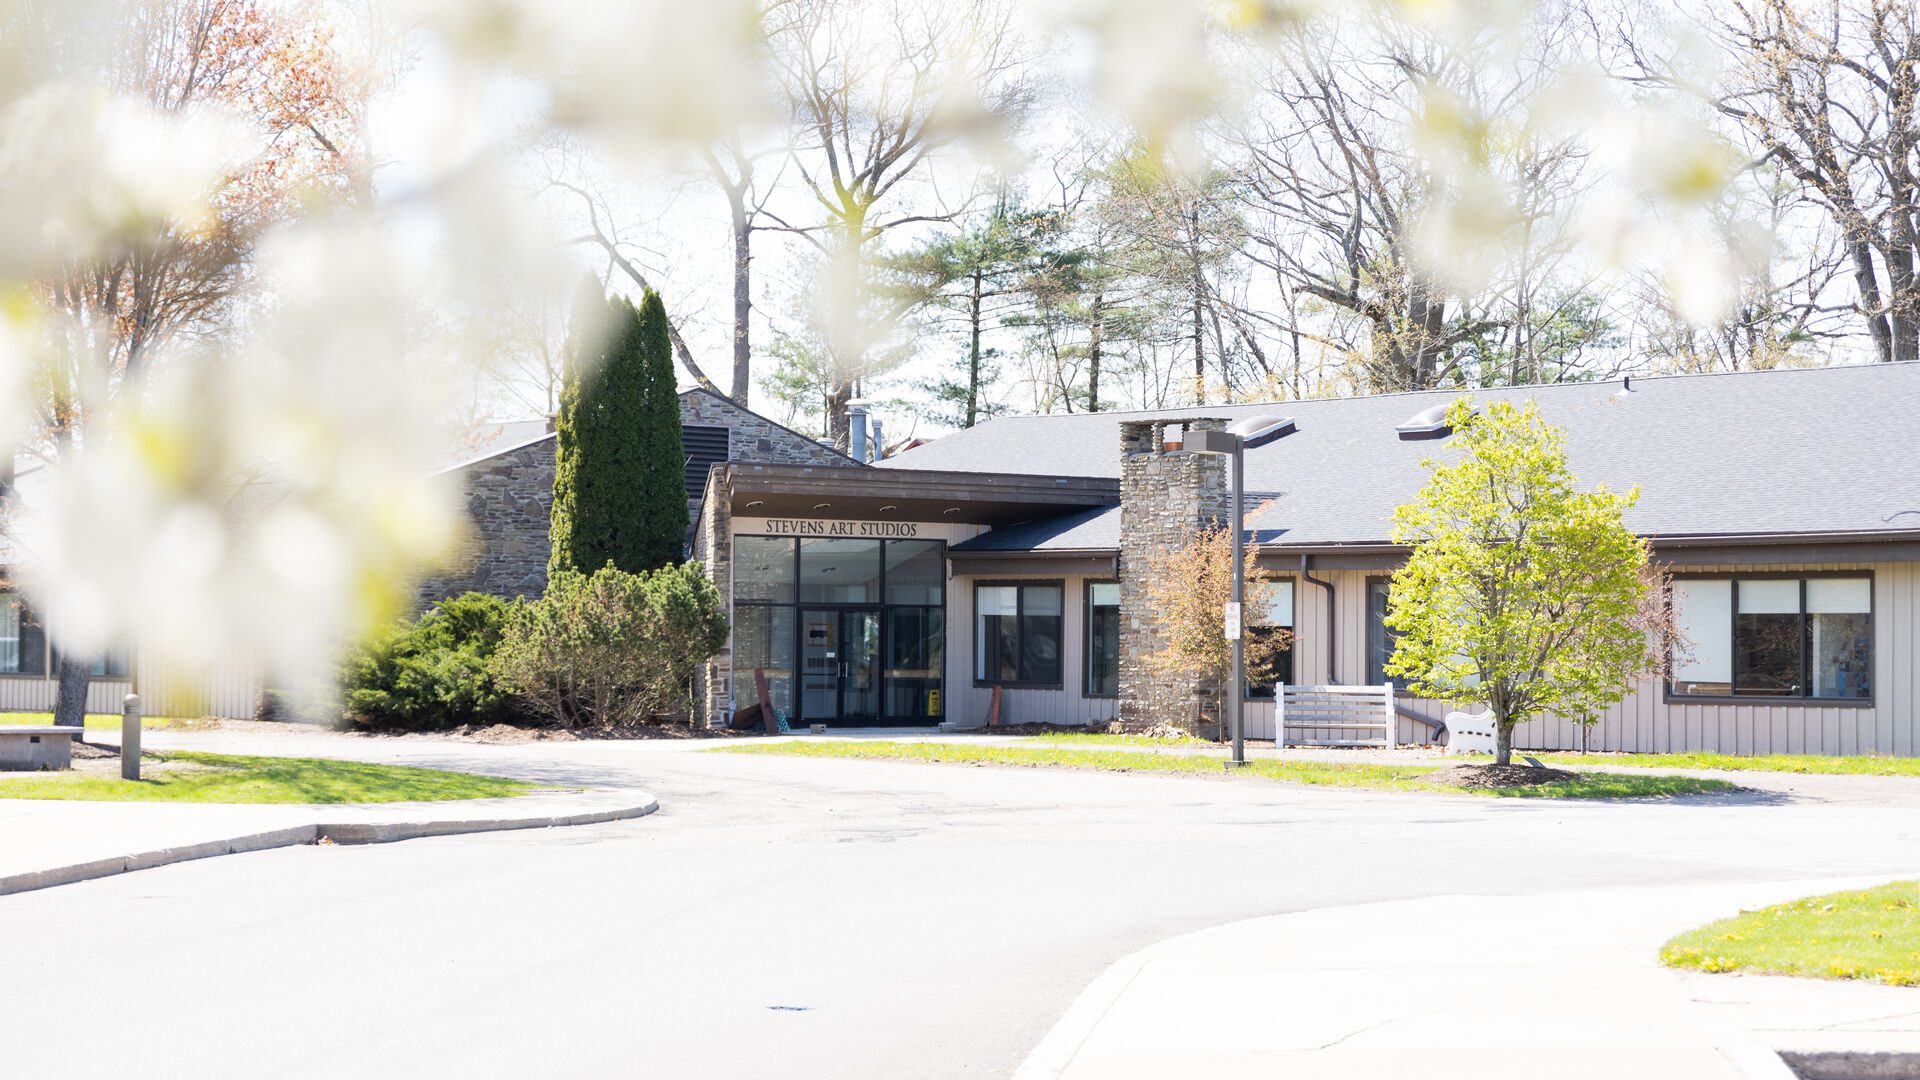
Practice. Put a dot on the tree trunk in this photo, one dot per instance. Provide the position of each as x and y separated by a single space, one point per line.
1867 281
1093 353
973 352
837 428
1199 354
742 301
1503 742
70 696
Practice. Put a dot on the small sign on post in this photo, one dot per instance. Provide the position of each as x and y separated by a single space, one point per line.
130 738
1233 621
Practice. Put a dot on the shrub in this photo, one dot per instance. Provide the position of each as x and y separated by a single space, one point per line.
432 672
613 648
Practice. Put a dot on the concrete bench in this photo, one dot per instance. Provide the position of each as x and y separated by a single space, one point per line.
36 747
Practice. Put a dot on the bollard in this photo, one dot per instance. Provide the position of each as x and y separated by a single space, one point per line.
130 738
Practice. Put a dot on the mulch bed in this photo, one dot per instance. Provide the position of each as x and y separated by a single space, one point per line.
94 752
1495 776
510 733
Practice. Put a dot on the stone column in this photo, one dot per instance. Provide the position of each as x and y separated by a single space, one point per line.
713 546
1166 498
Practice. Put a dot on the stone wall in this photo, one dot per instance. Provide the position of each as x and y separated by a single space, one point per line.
712 546
1166 497
756 438
509 499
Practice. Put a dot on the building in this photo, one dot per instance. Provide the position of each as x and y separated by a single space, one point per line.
508 482
506 472
1786 503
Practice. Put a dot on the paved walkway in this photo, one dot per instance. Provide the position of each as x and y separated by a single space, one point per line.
1487 987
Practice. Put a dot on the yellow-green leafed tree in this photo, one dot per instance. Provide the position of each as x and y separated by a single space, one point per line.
1521 593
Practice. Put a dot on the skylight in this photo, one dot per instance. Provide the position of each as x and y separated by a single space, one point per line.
1263 428
1429 423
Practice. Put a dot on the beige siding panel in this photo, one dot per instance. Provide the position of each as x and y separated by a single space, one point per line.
25 693
1644 721
968 704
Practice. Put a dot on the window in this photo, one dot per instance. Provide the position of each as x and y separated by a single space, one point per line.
1277 619
916 571
23 644
1103 639
1017 634
1380 637
797 602
1775 637
837 571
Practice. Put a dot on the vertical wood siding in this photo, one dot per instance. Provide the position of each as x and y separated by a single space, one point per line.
1644 722
967 704
229 691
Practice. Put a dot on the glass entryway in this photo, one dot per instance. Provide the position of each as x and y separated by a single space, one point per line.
840 665
840 630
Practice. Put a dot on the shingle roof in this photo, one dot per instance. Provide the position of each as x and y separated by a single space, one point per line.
1815 451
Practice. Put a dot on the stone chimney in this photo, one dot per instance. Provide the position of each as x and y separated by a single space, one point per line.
1166 498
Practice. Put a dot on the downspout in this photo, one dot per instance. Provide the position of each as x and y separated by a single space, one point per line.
1332 637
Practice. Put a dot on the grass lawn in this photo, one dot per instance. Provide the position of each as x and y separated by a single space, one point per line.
1101 738
1338 774
1861 765
95 721
225 778
1872 934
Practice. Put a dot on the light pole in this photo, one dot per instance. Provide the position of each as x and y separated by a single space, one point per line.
1233 446
1232 443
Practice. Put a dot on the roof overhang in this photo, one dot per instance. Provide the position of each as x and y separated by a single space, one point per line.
910 495
1686 550
1088 562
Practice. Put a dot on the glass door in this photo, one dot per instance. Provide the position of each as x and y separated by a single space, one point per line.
840 665
860 666
820 658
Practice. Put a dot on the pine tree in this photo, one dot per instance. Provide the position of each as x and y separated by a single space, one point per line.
618 492
660 485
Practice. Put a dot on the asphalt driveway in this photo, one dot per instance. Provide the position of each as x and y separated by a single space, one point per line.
788 917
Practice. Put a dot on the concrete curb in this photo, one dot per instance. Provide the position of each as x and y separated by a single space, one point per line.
1056 1050
359 832
1054 1055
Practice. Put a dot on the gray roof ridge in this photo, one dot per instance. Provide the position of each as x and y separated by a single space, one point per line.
1456 391
491 454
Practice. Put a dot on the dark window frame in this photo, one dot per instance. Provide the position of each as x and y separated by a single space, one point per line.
1367 603
1246 688
1669 696
796 605
1086 642
1020 614
47 670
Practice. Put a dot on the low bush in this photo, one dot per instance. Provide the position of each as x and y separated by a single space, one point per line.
432 672
612 648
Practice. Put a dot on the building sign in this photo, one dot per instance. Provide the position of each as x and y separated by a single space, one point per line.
836 528
890 530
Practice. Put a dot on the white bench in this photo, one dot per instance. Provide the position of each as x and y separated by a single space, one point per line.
36 747
1366 712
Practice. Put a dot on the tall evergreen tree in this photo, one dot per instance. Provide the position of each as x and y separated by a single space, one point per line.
660 487
618 491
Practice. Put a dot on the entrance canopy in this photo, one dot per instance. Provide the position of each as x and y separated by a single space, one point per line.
994 499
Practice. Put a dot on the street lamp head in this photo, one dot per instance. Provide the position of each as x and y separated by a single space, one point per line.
1212 442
